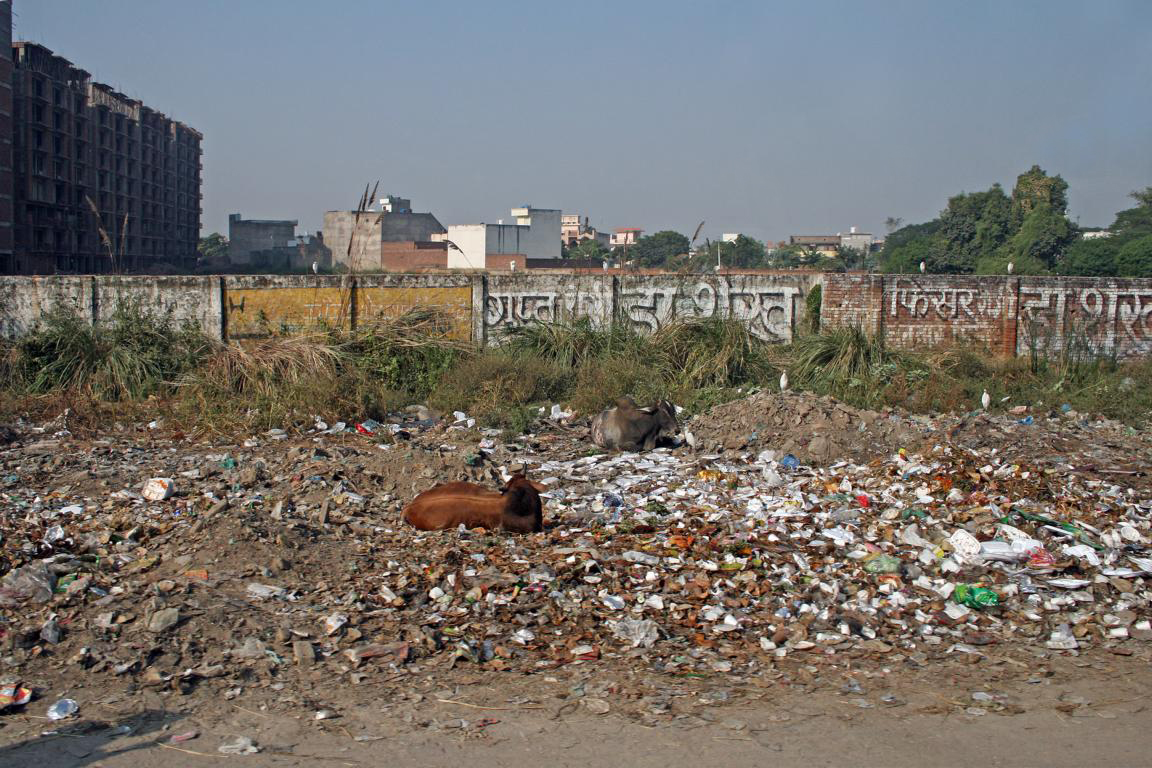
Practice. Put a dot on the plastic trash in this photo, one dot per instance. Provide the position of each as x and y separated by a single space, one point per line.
241 745
790 462
34 582
159 489
880 563
369 427
14 695
640 633
974 596
63 709
1062 639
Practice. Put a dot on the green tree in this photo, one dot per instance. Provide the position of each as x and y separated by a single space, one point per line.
1041 240
788 257
973 226
1036 189
742 253
850 259
1135 222
1134 259
905 248
213 248
1091 258
1142 196
587 249
655 250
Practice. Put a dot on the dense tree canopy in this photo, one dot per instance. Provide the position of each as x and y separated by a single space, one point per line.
213 248
587 249
656 250
982 232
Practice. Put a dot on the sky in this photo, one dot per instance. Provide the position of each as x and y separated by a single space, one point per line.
765 118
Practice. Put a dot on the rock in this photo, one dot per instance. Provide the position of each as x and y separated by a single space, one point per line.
166 618
304 652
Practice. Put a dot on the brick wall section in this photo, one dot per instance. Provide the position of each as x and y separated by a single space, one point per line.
402 257
1085 316
852 300
930 311
1007 315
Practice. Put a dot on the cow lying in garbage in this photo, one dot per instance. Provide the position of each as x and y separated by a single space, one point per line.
516 508
627 427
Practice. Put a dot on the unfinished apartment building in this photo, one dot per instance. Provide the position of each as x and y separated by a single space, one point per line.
102 182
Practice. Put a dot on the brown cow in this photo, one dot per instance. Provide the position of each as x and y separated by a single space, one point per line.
516 508
626 427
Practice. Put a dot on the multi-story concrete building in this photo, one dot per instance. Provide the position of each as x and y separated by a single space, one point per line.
102 182
535 236
625 236
6 178
248 237
392 238
575 229
859 241
824 245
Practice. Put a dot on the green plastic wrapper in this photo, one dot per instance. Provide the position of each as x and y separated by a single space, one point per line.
882 564
975 597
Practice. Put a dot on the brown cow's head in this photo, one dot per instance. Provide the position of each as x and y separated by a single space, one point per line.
523 511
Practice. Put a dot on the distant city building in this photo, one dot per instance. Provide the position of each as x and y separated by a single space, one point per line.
829 245
535 236
730 237
623 236
574 230
247 237
102 182
392 238
860 241
271 244
7 185
1095 234
825 245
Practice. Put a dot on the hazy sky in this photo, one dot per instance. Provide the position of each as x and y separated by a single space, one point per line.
767 118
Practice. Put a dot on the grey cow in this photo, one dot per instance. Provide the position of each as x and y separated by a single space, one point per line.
626 427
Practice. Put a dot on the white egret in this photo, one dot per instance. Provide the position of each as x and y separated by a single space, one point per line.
986 399
923 267
784 381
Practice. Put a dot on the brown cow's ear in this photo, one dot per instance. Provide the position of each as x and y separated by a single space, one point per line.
539 487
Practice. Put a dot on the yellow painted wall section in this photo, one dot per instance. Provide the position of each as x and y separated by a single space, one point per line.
259 312
291 310
375 303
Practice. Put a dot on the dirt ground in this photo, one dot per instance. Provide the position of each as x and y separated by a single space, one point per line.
1078 716
243 605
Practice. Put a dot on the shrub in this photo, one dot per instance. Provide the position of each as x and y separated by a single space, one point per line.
134 355
710 352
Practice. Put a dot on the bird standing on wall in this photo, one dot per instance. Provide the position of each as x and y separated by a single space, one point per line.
1011 267
985 399
923 267
784 381
315 267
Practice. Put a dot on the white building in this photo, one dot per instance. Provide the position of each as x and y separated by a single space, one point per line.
534 235
860 241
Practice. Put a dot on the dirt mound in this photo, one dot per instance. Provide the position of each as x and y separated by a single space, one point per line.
813 428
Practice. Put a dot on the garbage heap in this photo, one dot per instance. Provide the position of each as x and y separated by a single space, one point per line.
679 563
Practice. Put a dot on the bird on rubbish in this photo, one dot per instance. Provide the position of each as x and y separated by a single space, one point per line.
986 399
923 267
315 267
1011 267
784 381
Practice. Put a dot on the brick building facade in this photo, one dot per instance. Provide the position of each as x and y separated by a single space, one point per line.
101 183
